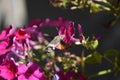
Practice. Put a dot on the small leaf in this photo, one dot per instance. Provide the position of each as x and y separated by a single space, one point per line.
98 56
104 72
116 65
94 58
90 60
94 44
95 8
111 52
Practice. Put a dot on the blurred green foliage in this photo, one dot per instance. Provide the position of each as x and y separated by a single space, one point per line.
94 6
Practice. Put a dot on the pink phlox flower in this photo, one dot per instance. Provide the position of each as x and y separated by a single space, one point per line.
8 70
3 47
35 32
96 38
66 76
6 44
81 76
20 48
70 75
69 32
2 58
7 32
47 22
57 23
21 34
81 36
17 50
21 42
31 71
22 45
6 39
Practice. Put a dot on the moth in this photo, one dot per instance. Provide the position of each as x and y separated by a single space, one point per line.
54 43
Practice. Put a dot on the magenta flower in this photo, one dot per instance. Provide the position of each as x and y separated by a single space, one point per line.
30 72
81 76
81 36
35 32
7 32
3 47
6 38
47 22
69 32
20 42
8 70
70 75
57 23
21 34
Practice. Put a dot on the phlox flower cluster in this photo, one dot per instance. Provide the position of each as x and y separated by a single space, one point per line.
16 45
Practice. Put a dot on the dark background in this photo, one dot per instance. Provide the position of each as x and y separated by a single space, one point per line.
91 24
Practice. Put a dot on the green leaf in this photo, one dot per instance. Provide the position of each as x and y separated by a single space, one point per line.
94 44
95 8
111 52
98 57
90 44
90 60
94 58
65 3
104 72
116 68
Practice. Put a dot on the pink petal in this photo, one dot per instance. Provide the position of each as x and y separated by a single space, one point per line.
80 29
71 29
22 69
81 76
22 77
3 46
32 77
2 35
7 32
80 33
38 73
21 34
6 73
62 30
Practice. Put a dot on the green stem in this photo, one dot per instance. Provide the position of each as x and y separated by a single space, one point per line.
82 62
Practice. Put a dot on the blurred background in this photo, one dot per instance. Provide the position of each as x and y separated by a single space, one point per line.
20 12
13 12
